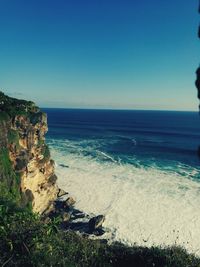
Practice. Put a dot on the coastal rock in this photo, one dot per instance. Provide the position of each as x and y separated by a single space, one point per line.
61 193
49 210
69 202
96 222
64 166
65 216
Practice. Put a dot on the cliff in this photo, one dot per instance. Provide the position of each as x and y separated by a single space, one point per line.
197 82
26 169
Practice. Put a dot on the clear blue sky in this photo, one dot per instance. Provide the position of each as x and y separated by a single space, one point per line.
100 53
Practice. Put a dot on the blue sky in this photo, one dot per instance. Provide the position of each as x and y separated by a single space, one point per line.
132 54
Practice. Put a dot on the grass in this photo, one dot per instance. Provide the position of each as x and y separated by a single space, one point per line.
11 107
5 164
40 142
46 153
4 116
13 137
8 177
25 240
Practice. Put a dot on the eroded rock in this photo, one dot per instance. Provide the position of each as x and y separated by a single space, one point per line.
61 193
69 202
96 222
65 216
64 166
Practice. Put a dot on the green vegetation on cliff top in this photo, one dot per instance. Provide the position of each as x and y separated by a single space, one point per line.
10 107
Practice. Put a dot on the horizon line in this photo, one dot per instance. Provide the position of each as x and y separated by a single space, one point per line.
119 109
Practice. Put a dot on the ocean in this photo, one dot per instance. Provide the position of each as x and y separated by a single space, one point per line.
138 168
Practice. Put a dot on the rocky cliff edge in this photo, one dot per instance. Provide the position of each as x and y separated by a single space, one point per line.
26 167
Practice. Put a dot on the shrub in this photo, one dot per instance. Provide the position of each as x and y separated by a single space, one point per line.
46 154
4 116
9 180
27 241
13 137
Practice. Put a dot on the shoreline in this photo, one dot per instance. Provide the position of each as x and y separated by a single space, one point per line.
112 233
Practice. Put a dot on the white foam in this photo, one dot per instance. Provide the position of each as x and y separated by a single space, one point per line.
107 156
142 206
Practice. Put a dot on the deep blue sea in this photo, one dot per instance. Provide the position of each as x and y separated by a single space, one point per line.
164 139
140 168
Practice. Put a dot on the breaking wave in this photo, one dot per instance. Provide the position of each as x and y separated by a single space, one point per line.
143 204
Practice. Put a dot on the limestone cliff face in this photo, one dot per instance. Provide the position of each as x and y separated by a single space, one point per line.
22 139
